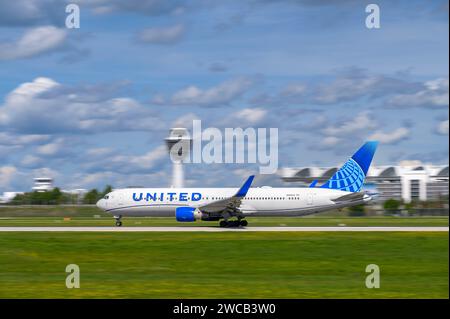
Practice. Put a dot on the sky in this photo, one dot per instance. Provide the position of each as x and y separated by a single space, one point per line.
91 106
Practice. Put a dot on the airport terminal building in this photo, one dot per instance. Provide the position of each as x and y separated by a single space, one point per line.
407 181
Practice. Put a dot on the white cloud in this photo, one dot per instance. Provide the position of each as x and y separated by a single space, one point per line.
330 141
118 180
393 137
354 83
7 174
442 128
294 89
223 93
362 121
435 94
94 178
344 89
162 35
30 12
349 85
16 139
144 7
243 118
129 164
250 115
43 107
51 149
150 158
8 150
31 161
99 152
33 42
45 172
59 148
185 120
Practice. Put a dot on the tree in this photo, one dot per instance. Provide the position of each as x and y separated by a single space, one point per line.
91 197
20 199
410 208
108 189
357 210
391 206
56 196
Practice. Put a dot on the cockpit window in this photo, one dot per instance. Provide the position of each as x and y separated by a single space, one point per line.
106 197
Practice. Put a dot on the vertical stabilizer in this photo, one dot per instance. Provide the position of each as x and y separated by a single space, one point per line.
351 176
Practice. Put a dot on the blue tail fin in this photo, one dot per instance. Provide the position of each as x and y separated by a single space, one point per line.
351 176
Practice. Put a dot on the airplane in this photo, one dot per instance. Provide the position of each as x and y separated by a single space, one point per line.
230 206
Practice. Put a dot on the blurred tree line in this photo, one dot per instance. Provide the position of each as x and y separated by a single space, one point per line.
390 207
437 206
94 195
56 197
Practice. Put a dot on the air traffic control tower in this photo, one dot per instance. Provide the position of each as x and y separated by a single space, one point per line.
179 144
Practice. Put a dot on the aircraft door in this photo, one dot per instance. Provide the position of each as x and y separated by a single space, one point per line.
120 199
310 199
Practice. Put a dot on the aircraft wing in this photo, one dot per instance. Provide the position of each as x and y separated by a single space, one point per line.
229 204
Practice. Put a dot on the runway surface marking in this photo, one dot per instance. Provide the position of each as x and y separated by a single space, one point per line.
218 229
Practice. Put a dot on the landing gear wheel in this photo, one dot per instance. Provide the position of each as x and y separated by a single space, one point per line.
243 223
118 220
232 223
223 223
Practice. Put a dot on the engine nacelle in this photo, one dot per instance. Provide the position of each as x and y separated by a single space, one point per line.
187 214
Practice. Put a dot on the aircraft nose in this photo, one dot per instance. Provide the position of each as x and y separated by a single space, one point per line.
101 204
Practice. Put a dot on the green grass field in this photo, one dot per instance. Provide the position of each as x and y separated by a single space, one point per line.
51 211
316 220
92 216
224 265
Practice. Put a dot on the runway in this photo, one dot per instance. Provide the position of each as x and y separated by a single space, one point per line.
218 229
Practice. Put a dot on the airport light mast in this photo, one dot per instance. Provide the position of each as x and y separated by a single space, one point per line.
179 144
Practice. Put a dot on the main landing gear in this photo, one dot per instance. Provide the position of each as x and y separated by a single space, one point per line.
118 220
233 223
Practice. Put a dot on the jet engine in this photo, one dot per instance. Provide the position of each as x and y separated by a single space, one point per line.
187 214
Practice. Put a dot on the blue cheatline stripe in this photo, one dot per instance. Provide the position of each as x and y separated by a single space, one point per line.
147 205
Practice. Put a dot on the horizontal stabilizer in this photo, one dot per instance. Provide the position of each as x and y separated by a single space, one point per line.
313 184
353 197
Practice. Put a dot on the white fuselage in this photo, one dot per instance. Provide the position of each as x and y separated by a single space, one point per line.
259 201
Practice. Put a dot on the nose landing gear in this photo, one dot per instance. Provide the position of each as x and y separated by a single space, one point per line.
118 220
